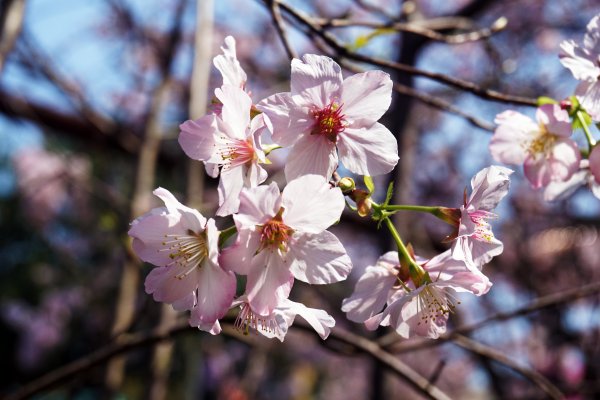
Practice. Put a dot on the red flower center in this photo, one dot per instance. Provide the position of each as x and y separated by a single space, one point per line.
329 121
275 234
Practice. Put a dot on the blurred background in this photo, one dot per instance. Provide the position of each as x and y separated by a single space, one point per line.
91 96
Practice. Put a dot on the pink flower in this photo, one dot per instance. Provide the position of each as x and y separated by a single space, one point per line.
282 236
324 115
545 149
411 310
277 323
595 163
231 141
584 177
583 59
184 247
229 66
475 243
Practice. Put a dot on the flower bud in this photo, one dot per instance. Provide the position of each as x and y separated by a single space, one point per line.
566 105
346 184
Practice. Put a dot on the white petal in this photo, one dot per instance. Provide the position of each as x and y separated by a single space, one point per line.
197 138
289 119
216 290
317 78
318 258
368 151
318 319
238 257
236 109
489 185
581 64
311 154
370 293
269 282
229 66
366 96
311 204
257 206
230 187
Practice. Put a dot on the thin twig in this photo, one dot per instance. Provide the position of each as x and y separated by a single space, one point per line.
134 341
420 30
536 305
495 355
278 22
343 51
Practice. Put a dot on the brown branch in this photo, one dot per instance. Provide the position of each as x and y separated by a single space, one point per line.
13 13
278 22
419 29
536 305
137 340
342 51
535 377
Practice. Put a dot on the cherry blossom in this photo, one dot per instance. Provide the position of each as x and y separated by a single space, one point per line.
474 241
583 60
325 115
183 245
412 310
277 323
231 141
584 177
229 66
544 148
282 236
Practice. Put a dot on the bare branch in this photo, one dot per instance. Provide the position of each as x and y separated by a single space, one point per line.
419 29
342 51
486 351
278 22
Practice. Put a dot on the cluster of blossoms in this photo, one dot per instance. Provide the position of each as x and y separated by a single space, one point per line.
550 158
282 235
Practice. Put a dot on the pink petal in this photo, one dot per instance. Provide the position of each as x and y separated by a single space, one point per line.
236 109
257 206
289 120
165 285
366 96
555 119
229 66
589 96
317 78
312 154
216 290
318 258
311 204
230 187
269 282
512 137
489 186
197 138
370 293
190 218
320 321
595 163
238 257
368 150
562 163
580 63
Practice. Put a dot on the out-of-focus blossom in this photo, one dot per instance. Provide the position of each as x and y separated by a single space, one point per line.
231 141
184 247
42 329
583 60
277 323
584 177
229 66
324 115
50 183
595 163
474 241
282 236
544 148
411 310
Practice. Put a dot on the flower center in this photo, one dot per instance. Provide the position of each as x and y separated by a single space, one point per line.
329 121
434 303
236 152
187 250
483 230
275 234
543 143
247 319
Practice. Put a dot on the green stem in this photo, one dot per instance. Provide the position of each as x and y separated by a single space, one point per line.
269 148
226 234
417 273
404 207
586 130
